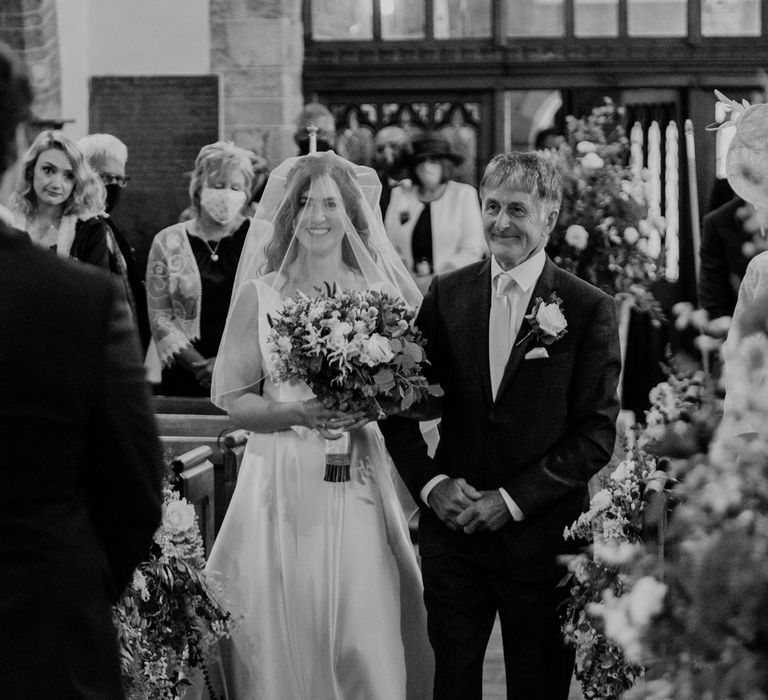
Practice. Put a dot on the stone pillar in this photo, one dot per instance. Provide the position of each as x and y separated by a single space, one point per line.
29 28
258 47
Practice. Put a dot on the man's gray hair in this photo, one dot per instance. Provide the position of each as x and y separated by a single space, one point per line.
527 172
96 147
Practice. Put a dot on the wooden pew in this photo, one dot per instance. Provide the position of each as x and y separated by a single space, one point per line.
226 477
194 473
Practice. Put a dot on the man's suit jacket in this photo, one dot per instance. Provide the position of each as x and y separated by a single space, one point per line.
722 259
80 470
550 428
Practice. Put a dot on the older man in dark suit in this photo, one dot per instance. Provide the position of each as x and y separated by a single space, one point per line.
80 462
528 357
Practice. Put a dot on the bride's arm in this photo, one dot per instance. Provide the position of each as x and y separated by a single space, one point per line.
260 415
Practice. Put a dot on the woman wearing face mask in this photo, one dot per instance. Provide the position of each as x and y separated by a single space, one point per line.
191 270
59 198
434 222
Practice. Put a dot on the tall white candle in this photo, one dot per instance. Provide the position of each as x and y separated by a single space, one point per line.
654 169
636 152
672 206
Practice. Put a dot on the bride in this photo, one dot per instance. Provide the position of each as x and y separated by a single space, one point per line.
323 574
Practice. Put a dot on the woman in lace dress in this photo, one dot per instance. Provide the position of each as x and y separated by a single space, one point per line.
191 270
324 574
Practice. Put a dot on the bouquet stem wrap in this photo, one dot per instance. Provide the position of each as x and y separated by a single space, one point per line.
338 456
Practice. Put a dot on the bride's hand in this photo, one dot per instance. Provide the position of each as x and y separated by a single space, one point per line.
328 421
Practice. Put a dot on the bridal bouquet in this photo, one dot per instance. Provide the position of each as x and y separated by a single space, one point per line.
356 350
167 616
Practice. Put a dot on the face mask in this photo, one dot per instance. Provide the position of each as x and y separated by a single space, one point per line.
113 196
222 205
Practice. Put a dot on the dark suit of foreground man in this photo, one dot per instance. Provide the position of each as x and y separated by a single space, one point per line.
80 462
524 426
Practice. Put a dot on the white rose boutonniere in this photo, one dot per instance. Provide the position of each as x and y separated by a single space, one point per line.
546 320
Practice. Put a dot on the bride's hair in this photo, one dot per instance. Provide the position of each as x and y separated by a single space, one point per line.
298 183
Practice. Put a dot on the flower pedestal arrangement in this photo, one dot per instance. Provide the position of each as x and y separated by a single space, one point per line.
168 618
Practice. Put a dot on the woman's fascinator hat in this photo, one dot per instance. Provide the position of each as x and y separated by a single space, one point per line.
746 162
433 146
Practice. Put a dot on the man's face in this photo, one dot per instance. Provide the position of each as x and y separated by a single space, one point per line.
516 224
110 170
389 147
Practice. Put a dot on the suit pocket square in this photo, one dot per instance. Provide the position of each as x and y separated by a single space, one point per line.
536 354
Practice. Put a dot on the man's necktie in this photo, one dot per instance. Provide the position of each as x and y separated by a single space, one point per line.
500 327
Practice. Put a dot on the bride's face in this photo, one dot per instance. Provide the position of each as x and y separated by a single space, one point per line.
321 219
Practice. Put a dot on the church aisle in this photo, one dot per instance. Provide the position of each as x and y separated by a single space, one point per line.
494 685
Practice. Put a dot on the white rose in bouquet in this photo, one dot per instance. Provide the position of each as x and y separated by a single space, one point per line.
376 350
577 236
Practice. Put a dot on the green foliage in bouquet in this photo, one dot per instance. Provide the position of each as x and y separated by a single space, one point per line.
604 234
168 617
357 350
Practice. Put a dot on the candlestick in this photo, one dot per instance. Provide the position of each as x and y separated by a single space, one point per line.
312 130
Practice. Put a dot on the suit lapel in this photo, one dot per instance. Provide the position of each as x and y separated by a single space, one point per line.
480 311
544 286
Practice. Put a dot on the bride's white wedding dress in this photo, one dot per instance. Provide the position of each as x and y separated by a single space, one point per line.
324 574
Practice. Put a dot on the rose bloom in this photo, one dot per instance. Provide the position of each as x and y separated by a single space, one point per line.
621 472
376 350
631 235
592 161
600 501
178 516
577 236
586 147
551 319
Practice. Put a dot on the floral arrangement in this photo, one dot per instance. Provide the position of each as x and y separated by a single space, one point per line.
685 410
604 234
706 631
357 350
546 320
167 617
613 524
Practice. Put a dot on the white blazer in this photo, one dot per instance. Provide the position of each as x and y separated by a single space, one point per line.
457 228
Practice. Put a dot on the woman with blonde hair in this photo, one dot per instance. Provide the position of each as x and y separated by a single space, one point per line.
191 269
59 198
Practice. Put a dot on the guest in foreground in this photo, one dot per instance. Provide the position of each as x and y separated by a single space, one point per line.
81 460
528 357
324 572
433 221
108 156
59 198
191 270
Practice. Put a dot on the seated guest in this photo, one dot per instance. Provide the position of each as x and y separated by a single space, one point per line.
108 155
433 221
191 269
59 199
391 149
